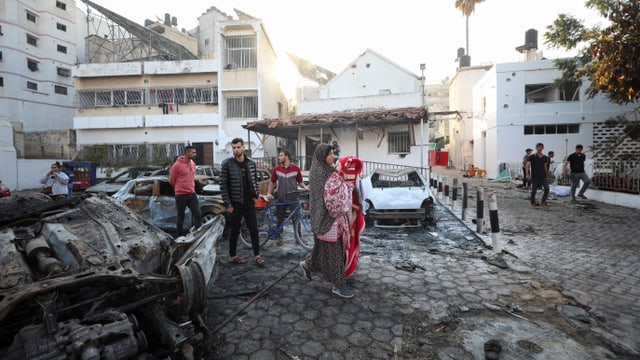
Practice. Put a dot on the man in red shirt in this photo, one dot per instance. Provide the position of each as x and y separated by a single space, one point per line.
182 178
289 177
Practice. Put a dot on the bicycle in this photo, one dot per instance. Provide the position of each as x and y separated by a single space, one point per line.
299 218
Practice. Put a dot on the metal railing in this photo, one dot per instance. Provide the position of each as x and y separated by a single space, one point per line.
304 162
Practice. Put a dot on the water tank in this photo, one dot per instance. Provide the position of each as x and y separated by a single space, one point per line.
465 61
531 39
460 53
167 19
148 22
174 21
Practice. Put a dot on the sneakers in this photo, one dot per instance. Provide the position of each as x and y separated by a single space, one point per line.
344 292
305 271
582 197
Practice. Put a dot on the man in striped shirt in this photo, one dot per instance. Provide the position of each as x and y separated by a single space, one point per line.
288 177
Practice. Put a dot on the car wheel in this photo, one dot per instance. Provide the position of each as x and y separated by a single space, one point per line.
429 213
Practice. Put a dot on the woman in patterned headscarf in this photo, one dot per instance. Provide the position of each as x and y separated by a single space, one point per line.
328 222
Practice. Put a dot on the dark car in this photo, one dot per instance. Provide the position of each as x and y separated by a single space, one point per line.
112 185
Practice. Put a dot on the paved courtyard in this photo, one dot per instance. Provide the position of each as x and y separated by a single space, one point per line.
570 291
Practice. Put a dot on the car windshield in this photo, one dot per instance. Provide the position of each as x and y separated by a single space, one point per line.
411 179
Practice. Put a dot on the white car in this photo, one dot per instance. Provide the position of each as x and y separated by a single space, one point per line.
398 198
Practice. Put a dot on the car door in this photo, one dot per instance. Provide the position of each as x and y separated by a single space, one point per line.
163 206
138 198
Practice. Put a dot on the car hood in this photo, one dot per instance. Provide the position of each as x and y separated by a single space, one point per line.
398 198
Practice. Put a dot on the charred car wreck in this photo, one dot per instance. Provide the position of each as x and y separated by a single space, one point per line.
91 280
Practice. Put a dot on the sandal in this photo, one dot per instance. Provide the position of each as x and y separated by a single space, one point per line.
237 260
259 261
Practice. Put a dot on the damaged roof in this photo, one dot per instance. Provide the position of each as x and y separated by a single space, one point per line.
288 128
168 49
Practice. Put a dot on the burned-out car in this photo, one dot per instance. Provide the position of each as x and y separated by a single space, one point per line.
153 198
398 198
88 279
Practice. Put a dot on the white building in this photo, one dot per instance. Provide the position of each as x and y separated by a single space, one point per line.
40 41
516 105
373 109
151 109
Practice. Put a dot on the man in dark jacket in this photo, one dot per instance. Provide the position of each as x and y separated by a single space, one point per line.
537 170
239 189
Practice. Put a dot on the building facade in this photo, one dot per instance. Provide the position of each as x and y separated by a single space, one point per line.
149 110
40 41
516 105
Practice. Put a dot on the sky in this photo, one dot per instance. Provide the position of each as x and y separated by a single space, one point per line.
332 33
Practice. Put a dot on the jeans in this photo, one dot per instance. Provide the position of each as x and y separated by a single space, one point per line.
535 184
575 181
69 190
182 202
249 214
525 183
281 213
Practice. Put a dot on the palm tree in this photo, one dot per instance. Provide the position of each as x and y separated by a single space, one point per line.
467 7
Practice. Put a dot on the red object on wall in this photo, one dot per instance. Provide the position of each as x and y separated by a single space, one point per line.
438 158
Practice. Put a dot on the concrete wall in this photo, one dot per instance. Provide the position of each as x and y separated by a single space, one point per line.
392 101
30 171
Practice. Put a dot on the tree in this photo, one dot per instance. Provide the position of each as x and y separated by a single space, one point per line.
608 57
467 7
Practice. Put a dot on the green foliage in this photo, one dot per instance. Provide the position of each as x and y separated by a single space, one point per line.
608 56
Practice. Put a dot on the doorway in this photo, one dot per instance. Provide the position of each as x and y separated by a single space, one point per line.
311 141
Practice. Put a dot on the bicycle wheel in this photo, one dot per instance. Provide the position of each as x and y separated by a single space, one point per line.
264 224
302 231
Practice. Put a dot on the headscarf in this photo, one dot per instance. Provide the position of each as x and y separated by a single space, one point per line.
320 171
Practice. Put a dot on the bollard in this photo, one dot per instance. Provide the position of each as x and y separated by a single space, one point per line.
440 188
446 191
495 226
480 211
465 200
454 194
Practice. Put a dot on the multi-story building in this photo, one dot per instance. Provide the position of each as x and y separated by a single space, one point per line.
517 105
147 111
39 45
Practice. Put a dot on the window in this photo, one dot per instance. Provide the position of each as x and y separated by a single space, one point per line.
61 27
60 90
552 129
1 82
206 42
540 93
399 142
64 72
62 49
32 65
124 97
32 86
0 55
32 40
240 52
31 16
242 107
61 5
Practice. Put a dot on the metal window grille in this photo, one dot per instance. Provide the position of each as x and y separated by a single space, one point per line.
240 52
32 40
62 49
60 90
31 16
399 142
32 65
32 86
242 107
61 5
120 97
61 27
64 72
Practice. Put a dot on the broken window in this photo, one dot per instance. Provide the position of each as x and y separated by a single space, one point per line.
240 52
242 107
541 93
399 142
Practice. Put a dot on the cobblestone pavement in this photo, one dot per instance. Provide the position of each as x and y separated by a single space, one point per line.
433 294
590 251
